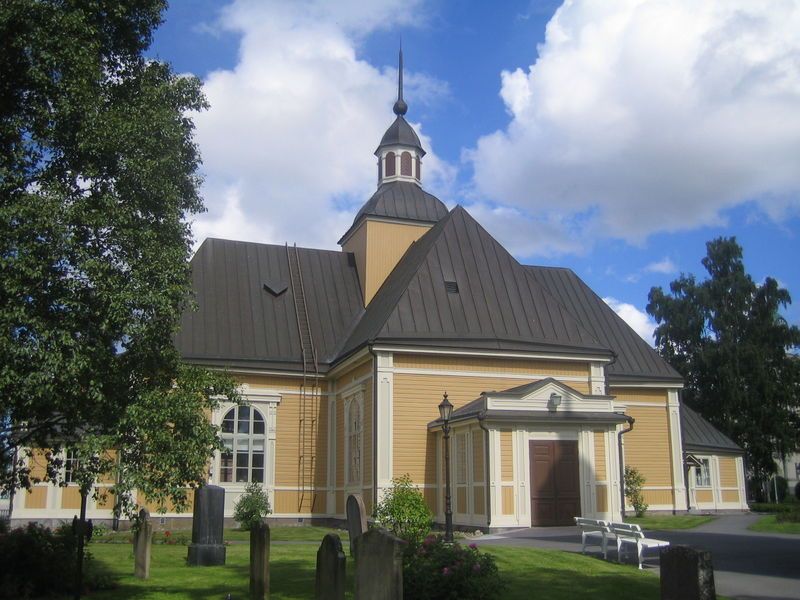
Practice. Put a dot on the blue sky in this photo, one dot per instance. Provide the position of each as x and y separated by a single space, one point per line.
614 138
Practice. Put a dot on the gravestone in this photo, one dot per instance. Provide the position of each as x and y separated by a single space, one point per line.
259 561
379 566
142 546
331 569
356 519
686 574
207 547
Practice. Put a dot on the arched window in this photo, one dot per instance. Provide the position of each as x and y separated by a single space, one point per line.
244 439
353 436
405 164
390 166
419 169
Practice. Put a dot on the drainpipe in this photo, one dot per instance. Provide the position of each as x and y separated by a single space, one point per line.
631 421
482 425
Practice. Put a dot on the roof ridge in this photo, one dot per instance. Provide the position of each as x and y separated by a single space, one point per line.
302 248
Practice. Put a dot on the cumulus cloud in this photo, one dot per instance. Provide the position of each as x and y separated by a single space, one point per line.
664 266
644 116
639 320
288 141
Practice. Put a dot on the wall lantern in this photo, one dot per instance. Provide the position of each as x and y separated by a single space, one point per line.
555 401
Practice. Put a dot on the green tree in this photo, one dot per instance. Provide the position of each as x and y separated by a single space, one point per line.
403 511
252 506
98 178
727 338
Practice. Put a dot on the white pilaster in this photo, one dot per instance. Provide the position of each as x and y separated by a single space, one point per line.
597 378
676 443
384 423
330 500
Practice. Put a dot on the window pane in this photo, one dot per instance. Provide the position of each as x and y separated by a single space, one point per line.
227 422
241 475
258 460
242 460
258 423
258 445
244 420
226 475
258 475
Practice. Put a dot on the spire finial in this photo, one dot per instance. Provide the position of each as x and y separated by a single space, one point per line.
400 107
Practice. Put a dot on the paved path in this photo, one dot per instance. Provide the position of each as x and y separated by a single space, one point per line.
747 565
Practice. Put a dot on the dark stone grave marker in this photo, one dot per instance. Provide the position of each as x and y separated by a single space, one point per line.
259 561
356 519
331 569
379 566
686 574
207 547
142 546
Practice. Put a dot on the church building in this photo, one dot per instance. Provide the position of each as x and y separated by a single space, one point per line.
344 356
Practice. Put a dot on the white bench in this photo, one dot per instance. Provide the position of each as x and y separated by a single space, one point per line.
633 534
593 529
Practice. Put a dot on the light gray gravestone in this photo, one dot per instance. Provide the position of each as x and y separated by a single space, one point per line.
142 546
379 566
331 569
259 561
356 519
207 547
686 574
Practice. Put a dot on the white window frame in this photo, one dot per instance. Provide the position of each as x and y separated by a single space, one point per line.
698 472
71 462
251 437
355 399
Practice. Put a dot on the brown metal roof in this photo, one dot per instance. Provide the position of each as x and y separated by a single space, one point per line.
240 323
636 359
701 436
400 200
499 304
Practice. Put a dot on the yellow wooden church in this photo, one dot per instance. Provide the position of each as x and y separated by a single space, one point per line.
343 357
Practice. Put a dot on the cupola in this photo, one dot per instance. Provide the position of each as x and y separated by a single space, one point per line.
399 212
400 152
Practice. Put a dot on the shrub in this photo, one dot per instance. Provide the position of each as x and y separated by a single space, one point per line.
791 516
634 481
434 570
403 511
252 506
797 491
28 553
770 507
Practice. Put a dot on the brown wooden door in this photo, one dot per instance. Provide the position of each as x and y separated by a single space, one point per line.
555 494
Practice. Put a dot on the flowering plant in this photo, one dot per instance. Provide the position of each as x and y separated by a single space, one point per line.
434 570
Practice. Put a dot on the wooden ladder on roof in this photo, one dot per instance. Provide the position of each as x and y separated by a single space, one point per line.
309 391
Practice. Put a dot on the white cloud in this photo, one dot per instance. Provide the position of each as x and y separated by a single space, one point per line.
664 266
651 116
287 143
639 320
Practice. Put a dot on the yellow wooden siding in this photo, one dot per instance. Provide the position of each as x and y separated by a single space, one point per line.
105 500
477 456
730 496
506 457
289 501
284 384
727 472
479 499
647 447
367 437
415 402
71 497
339 502
169 506
288 438
654 497
600 455
354 373
508 501
705 496
37 463
386 245
601 497
340 441
36 497
357 245
321 444
430 496
480 364
651 395
108 477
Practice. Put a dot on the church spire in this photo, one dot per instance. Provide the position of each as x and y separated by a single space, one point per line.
400 107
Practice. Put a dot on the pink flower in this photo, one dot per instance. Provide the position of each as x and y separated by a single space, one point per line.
476 567
474 546
446 571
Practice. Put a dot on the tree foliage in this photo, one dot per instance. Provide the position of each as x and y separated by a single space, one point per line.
634 483
252 506
403 511
98 176
727 338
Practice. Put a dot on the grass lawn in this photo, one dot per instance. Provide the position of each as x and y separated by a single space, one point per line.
543 574
669 521
769 524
